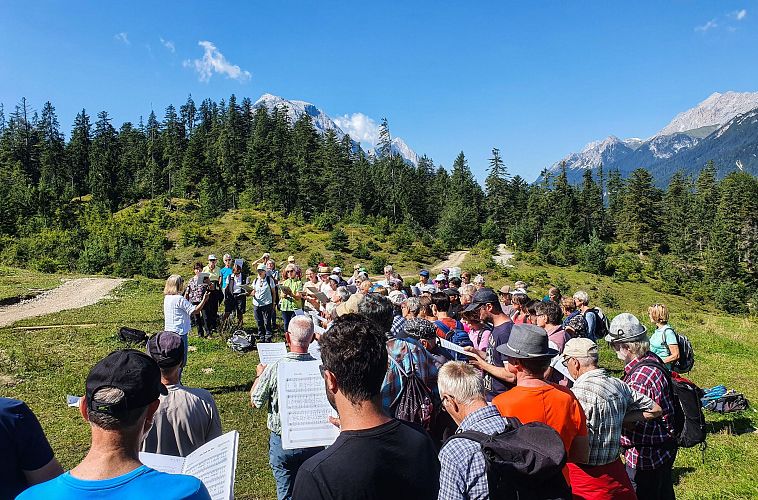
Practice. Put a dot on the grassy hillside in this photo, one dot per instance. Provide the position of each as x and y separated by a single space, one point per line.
18 283
724 347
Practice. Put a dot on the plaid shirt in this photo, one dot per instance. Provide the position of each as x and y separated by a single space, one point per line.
644 442
606 401
463 470
422 361
397 330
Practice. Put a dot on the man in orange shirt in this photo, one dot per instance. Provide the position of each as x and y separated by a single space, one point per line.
535 400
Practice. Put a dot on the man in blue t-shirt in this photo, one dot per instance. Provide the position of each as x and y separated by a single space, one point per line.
121 397
27 456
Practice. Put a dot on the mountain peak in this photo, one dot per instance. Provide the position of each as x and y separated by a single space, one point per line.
715 110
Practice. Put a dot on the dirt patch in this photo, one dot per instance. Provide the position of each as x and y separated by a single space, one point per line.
503 255
70 295
455 259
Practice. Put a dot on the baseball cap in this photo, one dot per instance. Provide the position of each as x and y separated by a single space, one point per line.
452 292
291 258
424 272
505 289
334 278
227 256
261 267
212 257
580 348
626 328
130 370
440 277
336 270
527 341
166 348
481 297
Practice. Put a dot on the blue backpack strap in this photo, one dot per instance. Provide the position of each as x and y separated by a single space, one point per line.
442 326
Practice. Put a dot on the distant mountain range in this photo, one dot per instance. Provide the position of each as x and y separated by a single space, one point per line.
323 123
722 128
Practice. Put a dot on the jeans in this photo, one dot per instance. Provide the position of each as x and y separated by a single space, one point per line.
286 318
263 316
185 342
285 463
655 484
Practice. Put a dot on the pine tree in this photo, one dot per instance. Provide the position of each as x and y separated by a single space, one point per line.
172 146
78 154
706 200
104 158
53 153
592 211
616 187
497 200
677 218
461 215
640 218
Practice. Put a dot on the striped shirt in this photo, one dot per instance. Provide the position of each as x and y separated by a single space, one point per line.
606 401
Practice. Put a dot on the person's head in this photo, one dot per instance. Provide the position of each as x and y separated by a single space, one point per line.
425 306
121 394
411 307
453 296
581 299
520 301
211 261
628 337
310 275
334 281
440 303
531 311
167 349
378 309
197 268
568 305
290 271
354 360
547 313
227 260
260 269
343 294
323 273
388 272
485 301
291 259
331 311
554 294
270 265
479 281
300 332
505 295
174 285
579 355
365 286
337 270
454 282
461 389
659 314
422 330
472 318
467 294
466 277
528 351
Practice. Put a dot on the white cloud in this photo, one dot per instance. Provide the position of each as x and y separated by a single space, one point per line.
122 37
740 14
213 61
168 44
359 127
707 26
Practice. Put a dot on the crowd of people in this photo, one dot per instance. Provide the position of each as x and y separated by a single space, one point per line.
407 364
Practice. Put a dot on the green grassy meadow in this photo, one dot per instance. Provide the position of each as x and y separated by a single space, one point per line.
43 366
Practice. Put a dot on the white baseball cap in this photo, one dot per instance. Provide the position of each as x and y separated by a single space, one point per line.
212 257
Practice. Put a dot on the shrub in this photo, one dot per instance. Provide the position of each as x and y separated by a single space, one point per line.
731 297
192 235
592 256
626 267
324 221
373 246
338 240
362 252
314 259
377 264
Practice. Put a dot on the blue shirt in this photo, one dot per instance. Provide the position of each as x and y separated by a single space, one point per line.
225 272
142 482
23 444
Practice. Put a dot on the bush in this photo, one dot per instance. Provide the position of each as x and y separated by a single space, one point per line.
626 267
373 246
362 252
94 258
192 235
338 240
324 221
731 297
377 264
314 259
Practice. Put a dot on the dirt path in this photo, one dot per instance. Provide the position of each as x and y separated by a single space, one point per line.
70 295
503 255
455 259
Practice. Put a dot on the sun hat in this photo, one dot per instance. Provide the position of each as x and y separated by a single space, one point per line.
130 370
579 347
481 297
166 348
505 289
323 270
527 342
626 328
397 297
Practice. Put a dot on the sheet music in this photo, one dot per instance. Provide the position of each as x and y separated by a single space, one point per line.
303 407
162 463
214 464
315 350
454 347
557 362
271 352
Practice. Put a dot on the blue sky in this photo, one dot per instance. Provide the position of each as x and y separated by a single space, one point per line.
535 79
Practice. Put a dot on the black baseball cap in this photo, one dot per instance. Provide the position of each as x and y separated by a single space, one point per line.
166 348
130 370
481 297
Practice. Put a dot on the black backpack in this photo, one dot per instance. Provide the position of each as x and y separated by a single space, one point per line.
414 403
686 354
602 325
689 421
132 335
524 462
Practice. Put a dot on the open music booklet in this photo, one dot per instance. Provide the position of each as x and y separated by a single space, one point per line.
214 464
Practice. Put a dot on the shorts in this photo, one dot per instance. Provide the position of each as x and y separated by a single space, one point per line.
236 303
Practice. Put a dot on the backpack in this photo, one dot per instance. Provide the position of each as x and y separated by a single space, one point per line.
720 400
602 325
132 335
457 336
688 421
686 354
524 462
240 341
414 403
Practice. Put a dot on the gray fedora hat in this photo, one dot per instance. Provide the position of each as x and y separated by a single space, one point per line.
527 342
626 328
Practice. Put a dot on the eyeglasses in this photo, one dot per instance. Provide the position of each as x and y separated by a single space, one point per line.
565 361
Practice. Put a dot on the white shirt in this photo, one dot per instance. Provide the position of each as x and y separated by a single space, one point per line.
176 313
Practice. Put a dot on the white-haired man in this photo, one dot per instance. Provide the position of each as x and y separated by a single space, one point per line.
608 404
284 463
582 301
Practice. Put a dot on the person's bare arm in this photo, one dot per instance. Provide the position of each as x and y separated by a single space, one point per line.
258 370
49 471
674 349
499 372
200 306
579 452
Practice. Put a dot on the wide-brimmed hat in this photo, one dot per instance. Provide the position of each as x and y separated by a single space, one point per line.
323 270
626 328
527 342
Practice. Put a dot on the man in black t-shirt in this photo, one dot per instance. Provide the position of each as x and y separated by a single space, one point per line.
375 456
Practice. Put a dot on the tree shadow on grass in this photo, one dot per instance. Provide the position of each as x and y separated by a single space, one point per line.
737 425
678 473
230 388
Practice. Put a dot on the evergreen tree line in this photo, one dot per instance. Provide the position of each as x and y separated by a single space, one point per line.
698 234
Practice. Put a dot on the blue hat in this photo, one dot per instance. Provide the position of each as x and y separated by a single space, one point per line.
424 273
